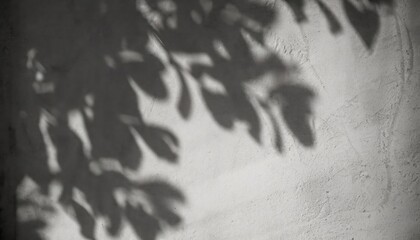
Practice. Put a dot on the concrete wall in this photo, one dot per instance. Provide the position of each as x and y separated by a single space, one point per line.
335 155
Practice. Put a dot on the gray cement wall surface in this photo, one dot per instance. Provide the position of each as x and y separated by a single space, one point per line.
214 120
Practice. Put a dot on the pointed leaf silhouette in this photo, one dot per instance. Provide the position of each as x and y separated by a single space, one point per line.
31 146
161 196
145 225
165 212
365 22
112 139
334 24
296 110
220 107
85 220
257 12
163 143
184 104
297 7
147 76
246 112
163 190
277 137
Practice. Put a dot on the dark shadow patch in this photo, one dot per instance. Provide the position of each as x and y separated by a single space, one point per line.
100 48
295 106
297 7
389 3
364 21
333 23
30 230
163 143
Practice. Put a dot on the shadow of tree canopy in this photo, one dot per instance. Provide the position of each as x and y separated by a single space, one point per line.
362 15
83 59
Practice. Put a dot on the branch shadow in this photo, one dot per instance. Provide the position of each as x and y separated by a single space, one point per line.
363 17
81 59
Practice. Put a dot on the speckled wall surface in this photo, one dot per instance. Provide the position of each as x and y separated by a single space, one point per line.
280 120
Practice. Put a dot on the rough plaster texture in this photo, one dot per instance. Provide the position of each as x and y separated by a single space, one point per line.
360 179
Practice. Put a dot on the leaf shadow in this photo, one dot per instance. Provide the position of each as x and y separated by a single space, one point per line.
79 62
365 22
